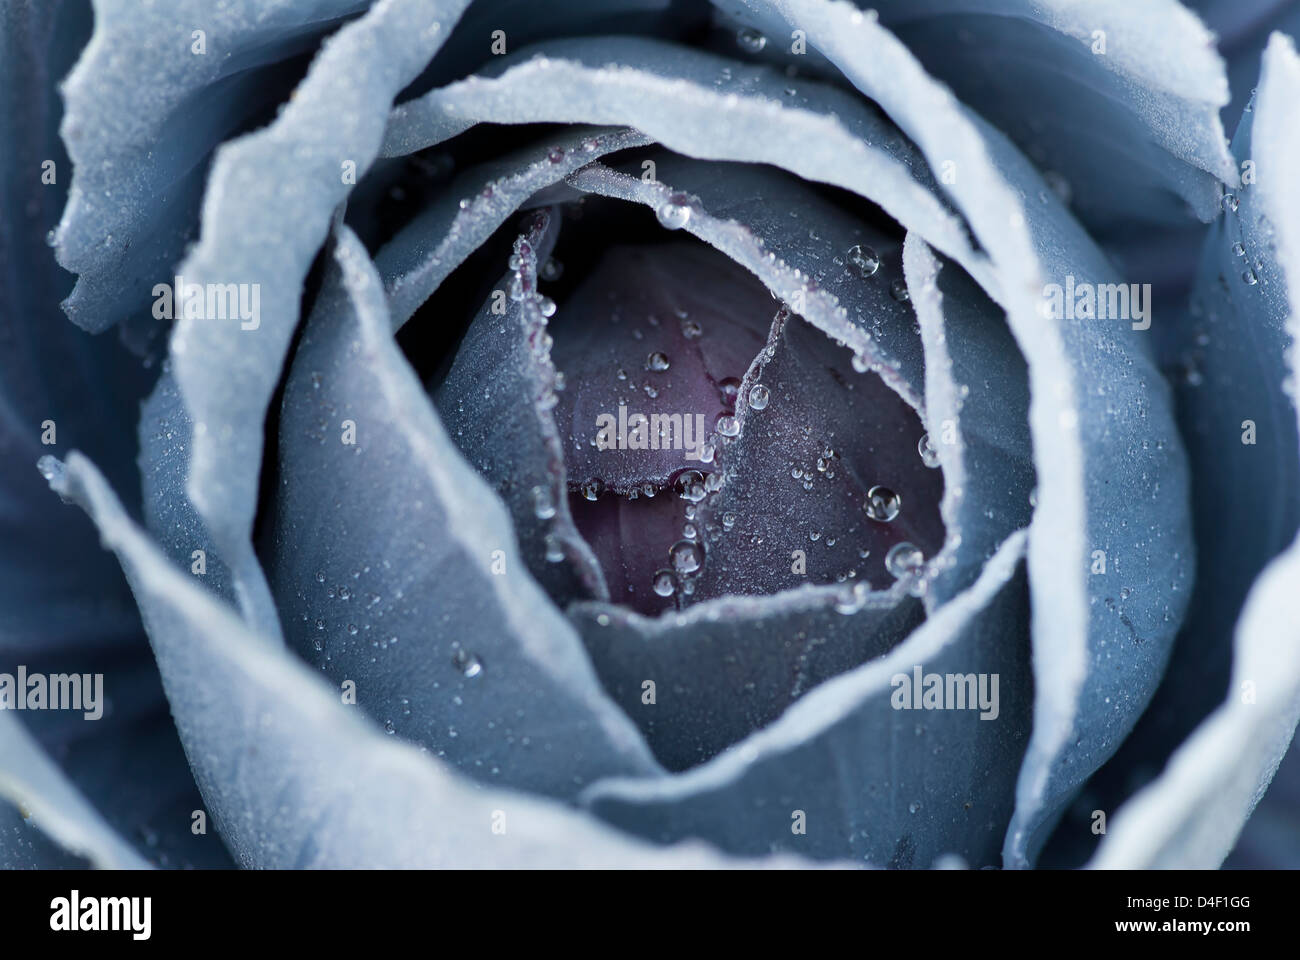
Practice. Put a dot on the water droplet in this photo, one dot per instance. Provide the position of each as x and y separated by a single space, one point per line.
860 363
50 467
690 485
863 260
543 508
913 807
674 213
882 504
728 521
664 583
554 550
728 426
758 396
467 663
929 455
551 270
691 329
898 290
389 727
1239 249
658 362
852 599
814 535
904 560
1250 277
729 387
591 489
320 576
621 374
547 306
1230 202
686 556
750 40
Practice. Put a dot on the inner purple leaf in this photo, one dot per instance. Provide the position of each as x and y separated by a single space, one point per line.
830 480
689 481
659 330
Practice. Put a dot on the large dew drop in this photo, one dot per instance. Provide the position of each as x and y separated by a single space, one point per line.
882 504
750 40
729 389
674 213
687 557
904 560
690 486
863 260
929 455
664 583
728 426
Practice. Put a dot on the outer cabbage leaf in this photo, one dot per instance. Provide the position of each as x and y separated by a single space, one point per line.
296 779
1119 100
396 567
270 198
1190 816
157 88
1100 418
